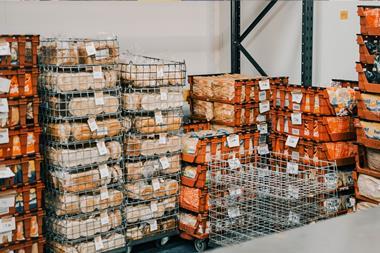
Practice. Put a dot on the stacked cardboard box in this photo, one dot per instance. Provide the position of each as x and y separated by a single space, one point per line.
21 211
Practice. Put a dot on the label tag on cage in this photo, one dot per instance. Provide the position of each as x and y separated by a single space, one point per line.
292 141
155 184
92 124
233 141
97 72
295 131
234 163
352 201
4 135
153 206
263 128
104 193
164 93
7 224
296 107
160 71
4 105
293 218
292 168
331 180
332 204
235 191
5 48
297 96
261 118
264 106
163 138
158 118
6 172
90 48
98 243
295 155
164 162
102 131
296 118
102 54
102 148
262 95
103 171
264 84
233 212
153 225
99 98
104 219
5 84
293 192
263 149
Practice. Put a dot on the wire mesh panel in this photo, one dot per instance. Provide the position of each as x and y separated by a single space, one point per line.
262 194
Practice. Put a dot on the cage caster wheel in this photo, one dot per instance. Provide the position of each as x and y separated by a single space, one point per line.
129 249
200 245
162 242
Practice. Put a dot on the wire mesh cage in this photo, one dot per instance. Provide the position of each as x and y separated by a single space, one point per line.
78 51
141 71
262 194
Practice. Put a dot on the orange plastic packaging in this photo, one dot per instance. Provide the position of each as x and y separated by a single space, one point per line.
193 199
14 86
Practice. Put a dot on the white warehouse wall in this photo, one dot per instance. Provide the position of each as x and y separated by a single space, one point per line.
198 31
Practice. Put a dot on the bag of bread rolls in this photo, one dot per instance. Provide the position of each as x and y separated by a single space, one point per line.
60 132
171 121
225 113
202 86
134 171
131 101
159 187
139 191
174 165
132 145
114 149
203 109
152 146
67 203
133 233
373 158
171 187
84 106
369 187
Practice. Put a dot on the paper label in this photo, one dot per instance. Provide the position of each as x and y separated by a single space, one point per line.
90 48
296 107
264 84
4 105
160 72
164 94
261 118
297 96
233 212
98 243
263 128
104 219
293 218
331 180
295 155
234 163
263 149
97 72
8 201
4 210
292 141
153 206
296 118
263 139
163 138
155 184
233 140
262 95
153 225
292 168
7 224
264 106
99 98
92 124
352 201
293 192
158 118
103 171
164 162
104 193
102 131
4 85
4 135
235 191
102 148
295 131
6 172
6 237
332 204
102 54
191 146
5 48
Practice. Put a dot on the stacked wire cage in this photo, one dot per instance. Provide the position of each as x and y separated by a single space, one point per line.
258 195
152 102
82 143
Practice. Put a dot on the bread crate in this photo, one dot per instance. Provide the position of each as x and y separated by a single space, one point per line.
368 133
367 48
194 176
368 106
345 83
18 51
364 83
18 172
367 161
366 194
193 226
33 246
369 20
22 113
310 127
19 83
17 143
194 199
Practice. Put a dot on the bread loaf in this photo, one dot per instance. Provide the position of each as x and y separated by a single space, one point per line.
127 124
373 158
134 233
168 224
106 52
85 106
224 113
60 132
369 187
151 101
171 121
135 146
171 187
91 203
67 203
139 190
57 52
161 190
131 101
203 109
114 149
202 86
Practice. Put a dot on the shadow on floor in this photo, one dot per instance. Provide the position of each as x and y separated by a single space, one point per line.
174 245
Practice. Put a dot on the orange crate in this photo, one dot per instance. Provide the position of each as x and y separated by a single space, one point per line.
199 179
194 127
369 19
358 196
364 84
22 113
341 152
27 170
365 55
27 227
199 231
33 246
194 199
23 82
21 142
316 128
346 83
363 139
27 199
365 102
235 90
362 163
23 50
